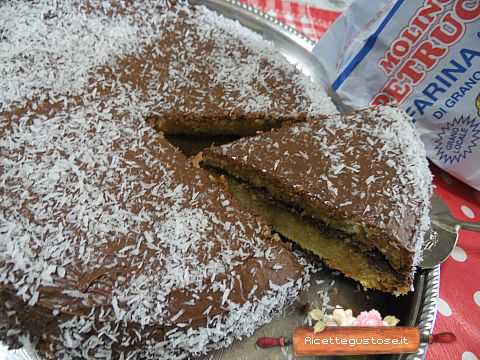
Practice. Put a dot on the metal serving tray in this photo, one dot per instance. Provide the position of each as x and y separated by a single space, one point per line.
416 309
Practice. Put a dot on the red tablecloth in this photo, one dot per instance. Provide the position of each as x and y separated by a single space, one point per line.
459 303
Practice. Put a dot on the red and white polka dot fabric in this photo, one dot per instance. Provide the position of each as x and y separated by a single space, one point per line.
459 303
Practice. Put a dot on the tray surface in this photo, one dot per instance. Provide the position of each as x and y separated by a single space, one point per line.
417 308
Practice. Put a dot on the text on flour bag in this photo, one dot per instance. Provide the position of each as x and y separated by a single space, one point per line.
423 56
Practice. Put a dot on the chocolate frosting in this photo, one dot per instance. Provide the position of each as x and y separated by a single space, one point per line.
112 241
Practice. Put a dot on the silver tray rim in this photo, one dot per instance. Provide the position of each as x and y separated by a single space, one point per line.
427 312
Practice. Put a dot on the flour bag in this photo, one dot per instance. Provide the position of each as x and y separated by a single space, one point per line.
423 56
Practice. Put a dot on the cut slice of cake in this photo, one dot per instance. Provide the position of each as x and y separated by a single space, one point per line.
353 188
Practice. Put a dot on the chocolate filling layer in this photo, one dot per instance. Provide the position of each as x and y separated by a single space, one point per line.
338 249
295 196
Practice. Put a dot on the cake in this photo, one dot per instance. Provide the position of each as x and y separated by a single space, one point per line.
113 243
353 188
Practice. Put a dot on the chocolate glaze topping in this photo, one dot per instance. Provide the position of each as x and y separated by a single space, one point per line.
112 243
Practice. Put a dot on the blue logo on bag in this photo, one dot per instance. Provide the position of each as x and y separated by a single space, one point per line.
457 139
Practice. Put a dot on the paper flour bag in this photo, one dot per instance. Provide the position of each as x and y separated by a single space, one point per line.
424 56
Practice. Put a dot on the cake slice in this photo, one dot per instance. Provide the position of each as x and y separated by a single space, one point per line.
352 188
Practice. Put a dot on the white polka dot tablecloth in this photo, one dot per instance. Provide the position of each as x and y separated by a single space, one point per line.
459 303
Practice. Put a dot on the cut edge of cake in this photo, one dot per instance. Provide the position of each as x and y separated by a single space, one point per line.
390 240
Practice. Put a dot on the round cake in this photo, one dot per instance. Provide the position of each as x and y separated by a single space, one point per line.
113 243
